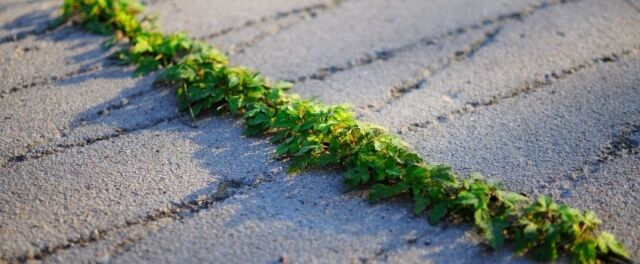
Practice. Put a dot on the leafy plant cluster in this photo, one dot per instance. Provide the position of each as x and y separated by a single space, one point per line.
149 49
314 135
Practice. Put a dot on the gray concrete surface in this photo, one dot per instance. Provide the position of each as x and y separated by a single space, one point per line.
22 18
97 166
36 61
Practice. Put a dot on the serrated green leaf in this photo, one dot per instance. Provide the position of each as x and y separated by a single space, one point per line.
235 103
438 212
495 233
607 243
584 252
468 199
233 80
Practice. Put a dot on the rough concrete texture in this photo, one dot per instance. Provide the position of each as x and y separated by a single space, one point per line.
97 166
347 33
36 61
21 18
197 18
535 143
541 48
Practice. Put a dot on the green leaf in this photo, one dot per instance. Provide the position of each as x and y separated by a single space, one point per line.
438 212
548 250
380 191
185 73
584 252
235 103
544 204
495 234
420 203
393 170
607 243
141 46
468 199
511 199
443 175
282 149
591 219
482 220
233 80
146 66
357 176
196 93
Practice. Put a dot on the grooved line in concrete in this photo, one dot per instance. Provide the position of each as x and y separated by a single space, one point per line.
416 82
241 47
386 54
622 143
632 5
37 153
325 72
379 55
528 87
33 33
311 11
23 35
39 81
410 242
116 106
178 211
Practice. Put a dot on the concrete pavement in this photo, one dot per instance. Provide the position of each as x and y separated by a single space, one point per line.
97 166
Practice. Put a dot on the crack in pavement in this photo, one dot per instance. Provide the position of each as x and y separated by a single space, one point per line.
626 142
22 35
174 212
35 32
408 242
386 54
241 47
39 80
632 5
115 106
323 73
407 86
528 87
42 151
308 11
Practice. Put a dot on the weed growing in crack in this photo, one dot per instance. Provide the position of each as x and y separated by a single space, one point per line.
312 134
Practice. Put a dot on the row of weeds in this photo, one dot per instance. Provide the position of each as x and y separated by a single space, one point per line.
315 135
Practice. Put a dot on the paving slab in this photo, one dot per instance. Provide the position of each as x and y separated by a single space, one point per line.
548 45
202 18
374 84
538 143
304 219
358 28
607 191
76 195
32 117
36 61
546 133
